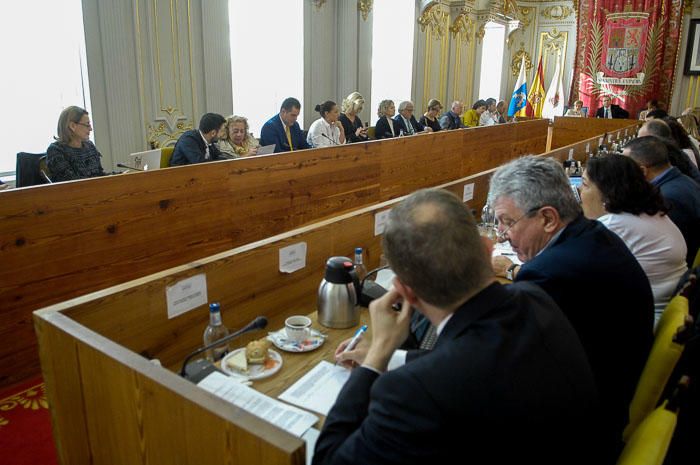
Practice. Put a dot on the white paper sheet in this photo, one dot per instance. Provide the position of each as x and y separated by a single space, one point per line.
385 278
468 193
504 248
380 219
287 417
310 437
186 295
293 257
318 389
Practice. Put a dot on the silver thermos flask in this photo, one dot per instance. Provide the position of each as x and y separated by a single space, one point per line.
337 294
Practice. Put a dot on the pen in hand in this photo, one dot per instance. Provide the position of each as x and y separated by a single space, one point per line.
355 339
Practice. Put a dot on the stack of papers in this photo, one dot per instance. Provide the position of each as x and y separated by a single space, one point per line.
318 389
291 419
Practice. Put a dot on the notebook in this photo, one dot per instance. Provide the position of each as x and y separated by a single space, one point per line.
147 161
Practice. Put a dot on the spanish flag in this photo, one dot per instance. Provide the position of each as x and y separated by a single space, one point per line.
535 99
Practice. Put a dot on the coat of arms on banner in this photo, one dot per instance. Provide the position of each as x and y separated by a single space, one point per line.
624 44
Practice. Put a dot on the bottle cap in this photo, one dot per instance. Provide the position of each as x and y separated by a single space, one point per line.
214 307
358 249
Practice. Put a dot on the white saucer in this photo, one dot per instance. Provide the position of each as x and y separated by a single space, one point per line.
313 342
255 371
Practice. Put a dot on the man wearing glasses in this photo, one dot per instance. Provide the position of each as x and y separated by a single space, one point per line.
586 269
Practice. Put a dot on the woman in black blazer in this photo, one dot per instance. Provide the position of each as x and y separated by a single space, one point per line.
386 127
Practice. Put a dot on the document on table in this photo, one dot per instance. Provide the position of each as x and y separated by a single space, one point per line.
318 389
504 248
289 418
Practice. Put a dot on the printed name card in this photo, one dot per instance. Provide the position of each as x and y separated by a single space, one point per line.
625 132
380 220
571 154
186 295
468 192
293 257
600 142
588 147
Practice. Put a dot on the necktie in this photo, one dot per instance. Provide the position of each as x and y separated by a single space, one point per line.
409 126
607 113
206 153
289 137
429 339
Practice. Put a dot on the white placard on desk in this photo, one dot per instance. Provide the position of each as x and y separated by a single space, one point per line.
318 389
588 147
186 295
600 142
468 193
380 219
625 132
571 154
293 257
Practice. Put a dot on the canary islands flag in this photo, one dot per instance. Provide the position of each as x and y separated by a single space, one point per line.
519 98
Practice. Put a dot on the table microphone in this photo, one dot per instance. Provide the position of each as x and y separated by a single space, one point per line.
334 142
205 366
122 165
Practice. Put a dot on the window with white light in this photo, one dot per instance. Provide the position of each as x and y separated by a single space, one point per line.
44 71
267 57
491 61
393 26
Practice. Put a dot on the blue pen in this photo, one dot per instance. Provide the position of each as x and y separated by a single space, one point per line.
356 338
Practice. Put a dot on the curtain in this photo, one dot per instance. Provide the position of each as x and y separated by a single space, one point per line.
627 49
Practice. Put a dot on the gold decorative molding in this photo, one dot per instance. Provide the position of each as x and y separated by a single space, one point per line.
481 33
557 12
160 136
463 26
517 60
688 6
553 43
364 7
524 16
510 7
435 19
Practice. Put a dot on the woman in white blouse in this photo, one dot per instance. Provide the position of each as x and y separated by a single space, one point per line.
327 130
615 192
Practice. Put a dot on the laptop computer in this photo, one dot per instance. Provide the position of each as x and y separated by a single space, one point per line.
266 150
147 161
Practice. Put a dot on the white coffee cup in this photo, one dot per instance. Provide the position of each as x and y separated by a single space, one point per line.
297 328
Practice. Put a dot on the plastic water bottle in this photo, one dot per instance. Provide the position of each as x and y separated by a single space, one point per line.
359 264
215 331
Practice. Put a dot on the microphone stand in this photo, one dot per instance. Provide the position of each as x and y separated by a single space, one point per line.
334 142
259 323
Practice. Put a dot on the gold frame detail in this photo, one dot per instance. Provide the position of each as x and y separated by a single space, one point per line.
435 22
463 28
517 60
155 134
364 7
553 42
557 12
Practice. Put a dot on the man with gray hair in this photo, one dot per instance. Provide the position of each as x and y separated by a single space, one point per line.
406 122
453 118
588 271
507 363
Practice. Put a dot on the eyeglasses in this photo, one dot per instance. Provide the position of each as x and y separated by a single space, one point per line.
87 125
501 235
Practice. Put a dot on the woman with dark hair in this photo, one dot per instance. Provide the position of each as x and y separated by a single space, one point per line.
471 117
430 117
680 135
615 192
326 131
73 156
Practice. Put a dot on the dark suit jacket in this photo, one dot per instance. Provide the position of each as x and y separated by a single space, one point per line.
382 130
600 287
417 127
507 381
273 132
191 148
682 195
616 110
451 121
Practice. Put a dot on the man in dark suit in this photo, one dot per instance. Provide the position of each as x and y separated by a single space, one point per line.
197 145
453 118
611 111
283 129
680 192
406 122
507 381
588 271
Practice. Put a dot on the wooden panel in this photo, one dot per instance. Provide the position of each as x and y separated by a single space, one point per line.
570 130
131 411
67 239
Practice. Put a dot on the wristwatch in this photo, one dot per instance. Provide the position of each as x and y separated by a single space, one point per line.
509 271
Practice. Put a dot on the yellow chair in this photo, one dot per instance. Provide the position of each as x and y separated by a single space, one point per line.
371 132
663 357
165 154
649 443
44 170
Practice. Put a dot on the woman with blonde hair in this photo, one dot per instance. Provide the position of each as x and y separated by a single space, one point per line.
73 156
352 124
430 117
385 124
237 141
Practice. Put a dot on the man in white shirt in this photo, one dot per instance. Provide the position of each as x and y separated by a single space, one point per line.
490 116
